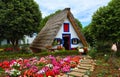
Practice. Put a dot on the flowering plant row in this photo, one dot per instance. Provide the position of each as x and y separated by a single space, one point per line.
35 67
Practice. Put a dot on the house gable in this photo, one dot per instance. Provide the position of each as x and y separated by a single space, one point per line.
71 31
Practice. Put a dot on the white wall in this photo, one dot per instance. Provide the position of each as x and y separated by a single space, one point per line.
3 42
71 31
28 40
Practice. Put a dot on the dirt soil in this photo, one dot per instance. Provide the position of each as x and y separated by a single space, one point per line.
106 69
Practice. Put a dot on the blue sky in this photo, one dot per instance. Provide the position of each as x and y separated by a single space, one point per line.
81 9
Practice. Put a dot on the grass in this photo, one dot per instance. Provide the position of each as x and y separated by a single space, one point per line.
106 69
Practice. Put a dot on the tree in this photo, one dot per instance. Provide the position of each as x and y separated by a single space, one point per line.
106 21
89 36
79 23
18 18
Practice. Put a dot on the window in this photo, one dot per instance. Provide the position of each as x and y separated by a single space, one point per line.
75 41
66 27
57 41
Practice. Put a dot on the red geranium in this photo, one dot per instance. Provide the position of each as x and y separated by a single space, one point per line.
6 64
39 75
50 73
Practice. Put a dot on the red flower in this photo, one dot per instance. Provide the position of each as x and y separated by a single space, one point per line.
6 64
50 73
39 75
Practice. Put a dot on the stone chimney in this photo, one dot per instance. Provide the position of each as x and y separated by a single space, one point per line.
67 9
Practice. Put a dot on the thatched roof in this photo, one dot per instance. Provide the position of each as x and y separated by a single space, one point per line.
46 36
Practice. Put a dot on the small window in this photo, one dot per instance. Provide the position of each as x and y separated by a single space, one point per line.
57 41
66 27
75 41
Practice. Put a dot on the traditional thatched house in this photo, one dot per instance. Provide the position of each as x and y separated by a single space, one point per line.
61 30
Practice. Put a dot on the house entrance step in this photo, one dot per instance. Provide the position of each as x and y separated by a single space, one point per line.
80 70
85 65
82 67
86 62
76 74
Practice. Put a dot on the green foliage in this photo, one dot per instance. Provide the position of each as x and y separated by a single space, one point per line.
102 73
1 70
93 53
99 62
14 55
89 36
106 57
18 18
79 23
65 52
104 47
105 22
118 53
6 46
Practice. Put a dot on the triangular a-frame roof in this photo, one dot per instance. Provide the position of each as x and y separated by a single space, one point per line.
46 36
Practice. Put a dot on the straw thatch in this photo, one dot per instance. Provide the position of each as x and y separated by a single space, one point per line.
46 36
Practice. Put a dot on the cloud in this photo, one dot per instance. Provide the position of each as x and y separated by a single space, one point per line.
81 9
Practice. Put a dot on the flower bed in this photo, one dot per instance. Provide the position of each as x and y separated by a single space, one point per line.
34 67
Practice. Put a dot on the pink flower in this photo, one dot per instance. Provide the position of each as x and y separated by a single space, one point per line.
42 59
28 65
45 68
34 69
66 68
26 61
67 59
56 70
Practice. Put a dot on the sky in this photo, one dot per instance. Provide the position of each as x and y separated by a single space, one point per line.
81 9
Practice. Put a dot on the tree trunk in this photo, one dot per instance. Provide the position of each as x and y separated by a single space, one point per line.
15 44
118 46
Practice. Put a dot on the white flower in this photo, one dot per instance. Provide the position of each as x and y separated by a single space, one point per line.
49 65
14 72
81 50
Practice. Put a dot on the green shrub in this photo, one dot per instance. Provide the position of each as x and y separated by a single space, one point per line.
118 53
93 53
103 47
106 57
23 54
5 46
65 52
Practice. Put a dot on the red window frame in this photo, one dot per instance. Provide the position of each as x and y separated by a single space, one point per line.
66 27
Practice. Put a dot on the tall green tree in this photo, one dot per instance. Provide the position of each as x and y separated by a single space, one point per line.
106 21
18 18
89 36
79 23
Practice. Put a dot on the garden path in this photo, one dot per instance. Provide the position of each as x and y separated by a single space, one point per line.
83 69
